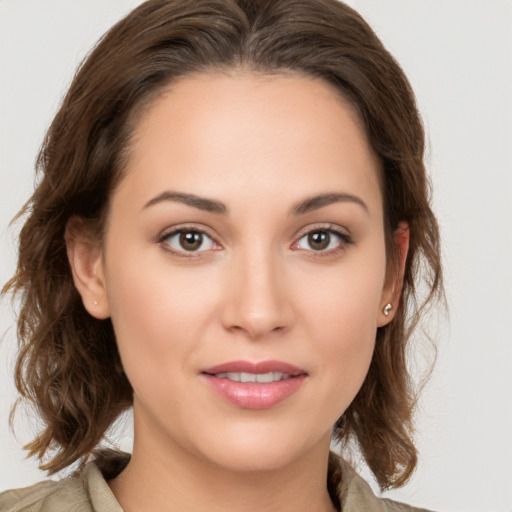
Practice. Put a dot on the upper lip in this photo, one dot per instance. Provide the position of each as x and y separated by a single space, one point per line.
255 367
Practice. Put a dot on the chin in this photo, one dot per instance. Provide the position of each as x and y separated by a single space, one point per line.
257 454
254 461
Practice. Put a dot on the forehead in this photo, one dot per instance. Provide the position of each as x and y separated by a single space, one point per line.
215 134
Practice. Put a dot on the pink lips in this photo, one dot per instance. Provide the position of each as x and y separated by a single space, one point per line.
255 395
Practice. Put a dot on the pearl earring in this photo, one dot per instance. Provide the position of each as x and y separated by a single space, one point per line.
387 308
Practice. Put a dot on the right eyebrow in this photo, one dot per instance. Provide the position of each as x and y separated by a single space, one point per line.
202 203
322 200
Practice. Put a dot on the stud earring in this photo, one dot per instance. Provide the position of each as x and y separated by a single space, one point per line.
387 308
95 302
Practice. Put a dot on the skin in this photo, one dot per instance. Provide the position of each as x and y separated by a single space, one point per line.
256 290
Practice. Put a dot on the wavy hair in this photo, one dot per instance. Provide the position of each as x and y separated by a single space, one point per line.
68 366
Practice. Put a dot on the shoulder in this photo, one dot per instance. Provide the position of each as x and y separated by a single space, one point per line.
62 496
354 493
85 491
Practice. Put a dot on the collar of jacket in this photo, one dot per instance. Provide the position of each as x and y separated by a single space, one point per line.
88 490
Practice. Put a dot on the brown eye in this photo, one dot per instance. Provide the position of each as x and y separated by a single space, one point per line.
319 240
188 241
191 240
323 241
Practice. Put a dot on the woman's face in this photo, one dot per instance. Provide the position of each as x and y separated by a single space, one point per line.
245 243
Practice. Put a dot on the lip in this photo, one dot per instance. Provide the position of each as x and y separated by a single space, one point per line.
255 367
252 395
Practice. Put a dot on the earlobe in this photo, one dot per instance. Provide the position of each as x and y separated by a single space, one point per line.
393 290
86 262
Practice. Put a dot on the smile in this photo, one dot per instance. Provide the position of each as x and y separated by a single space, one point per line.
263 378
254 385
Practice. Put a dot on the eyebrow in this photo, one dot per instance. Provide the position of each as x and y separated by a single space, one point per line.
202 203
210 205
321 200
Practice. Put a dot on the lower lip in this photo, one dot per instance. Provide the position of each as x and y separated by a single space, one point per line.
253 395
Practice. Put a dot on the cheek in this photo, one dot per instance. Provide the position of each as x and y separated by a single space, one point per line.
347 298
343 322
346 345
155 309
346 336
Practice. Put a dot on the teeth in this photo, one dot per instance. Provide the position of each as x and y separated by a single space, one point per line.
264 378
247 377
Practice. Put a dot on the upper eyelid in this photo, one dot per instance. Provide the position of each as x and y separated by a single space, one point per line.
338 231
175 230
205 230
165 233
330 227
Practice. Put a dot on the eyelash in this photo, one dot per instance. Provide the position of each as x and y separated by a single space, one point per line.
164 241
344 241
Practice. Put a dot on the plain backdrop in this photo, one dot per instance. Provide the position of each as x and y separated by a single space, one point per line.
458 56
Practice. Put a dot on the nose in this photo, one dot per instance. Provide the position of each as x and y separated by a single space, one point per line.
256 301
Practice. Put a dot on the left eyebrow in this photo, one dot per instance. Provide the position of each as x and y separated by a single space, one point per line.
322 200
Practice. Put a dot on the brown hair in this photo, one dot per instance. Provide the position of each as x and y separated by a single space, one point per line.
68 364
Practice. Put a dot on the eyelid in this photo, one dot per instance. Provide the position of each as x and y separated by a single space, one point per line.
174 230
342 233
328 226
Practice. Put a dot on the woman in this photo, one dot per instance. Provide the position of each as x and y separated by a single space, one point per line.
245 338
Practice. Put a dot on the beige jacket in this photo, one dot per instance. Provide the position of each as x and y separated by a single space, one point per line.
88 491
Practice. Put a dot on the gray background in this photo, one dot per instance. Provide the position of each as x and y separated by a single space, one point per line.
458 56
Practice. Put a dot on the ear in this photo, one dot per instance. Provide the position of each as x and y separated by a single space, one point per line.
85 255
392 292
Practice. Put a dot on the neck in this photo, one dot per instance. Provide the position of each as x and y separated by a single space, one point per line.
174 479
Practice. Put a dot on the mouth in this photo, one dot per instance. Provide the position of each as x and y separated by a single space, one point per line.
262 378
259 385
